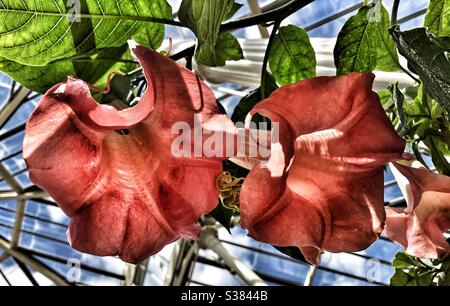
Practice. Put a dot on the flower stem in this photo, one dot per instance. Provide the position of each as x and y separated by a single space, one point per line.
276 26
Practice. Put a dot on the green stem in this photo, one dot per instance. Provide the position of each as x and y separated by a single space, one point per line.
87 60
408 73
276 26
277 16
95 16
394 14
279 13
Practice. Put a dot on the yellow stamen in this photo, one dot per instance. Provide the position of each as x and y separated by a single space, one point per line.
229 188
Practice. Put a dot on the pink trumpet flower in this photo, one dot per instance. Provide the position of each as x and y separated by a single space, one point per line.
126 193
322 187
420 227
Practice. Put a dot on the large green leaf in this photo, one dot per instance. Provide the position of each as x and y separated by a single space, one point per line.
403 260
292 57
387 59
357 44
204 18
228 48
428 57
39 32
150 35
40 78
402 278
437 18
412 271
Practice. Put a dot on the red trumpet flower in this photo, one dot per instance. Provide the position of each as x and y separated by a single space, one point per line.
126 194
322 188
420 228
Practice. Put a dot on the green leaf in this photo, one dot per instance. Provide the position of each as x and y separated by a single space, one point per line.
236 7
399 100
228 49
94 70
445 280
400 278
293 252
387 59
357 44
428 56
438 150
403 260
417 154
419 106
38 79
412 91
151 35
204 18
421 279
385 98
410 271
120 87
292 57
97 68
222 215
253 98
437 18
39 32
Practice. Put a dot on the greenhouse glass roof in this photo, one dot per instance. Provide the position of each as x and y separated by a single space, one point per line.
30 220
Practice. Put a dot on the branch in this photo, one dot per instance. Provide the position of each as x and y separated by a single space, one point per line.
184 53
276 14
276 26
209 241
93 16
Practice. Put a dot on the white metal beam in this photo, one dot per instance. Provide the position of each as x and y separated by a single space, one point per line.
12 195
20 211
209 240
10 107
256 9
32 263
